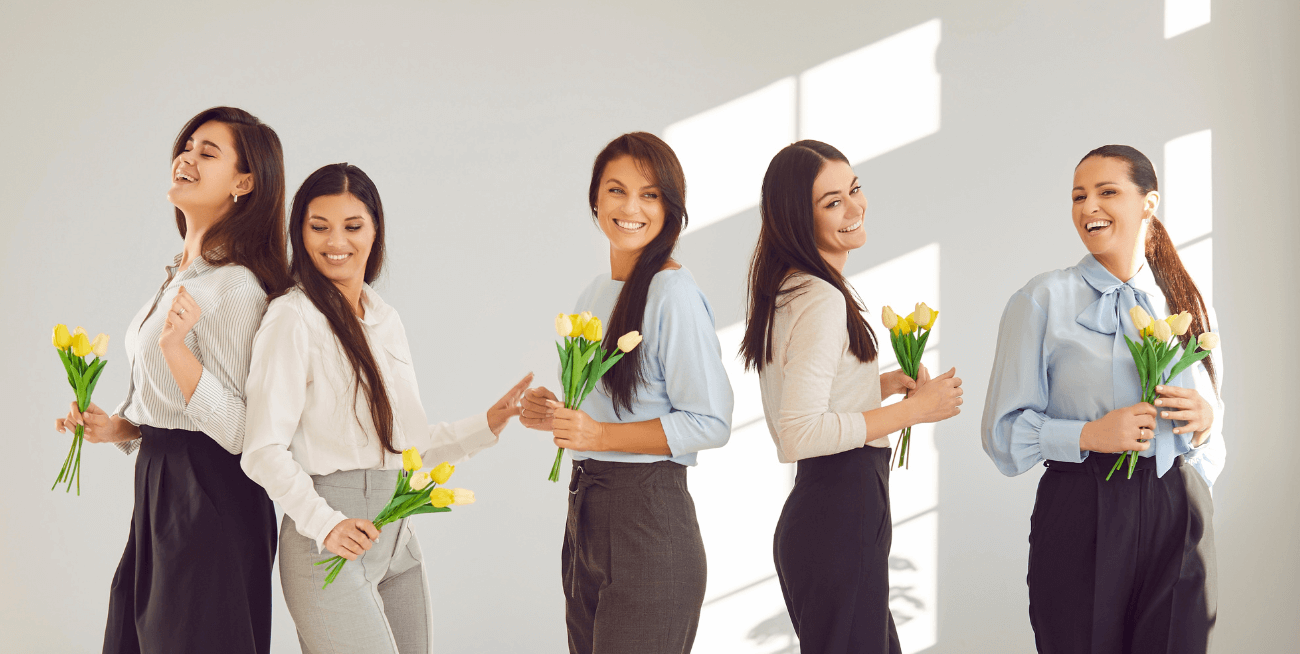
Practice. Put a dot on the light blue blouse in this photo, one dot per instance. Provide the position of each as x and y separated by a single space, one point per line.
685 386
1060 363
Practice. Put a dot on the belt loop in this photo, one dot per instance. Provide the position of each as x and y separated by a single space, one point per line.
574 483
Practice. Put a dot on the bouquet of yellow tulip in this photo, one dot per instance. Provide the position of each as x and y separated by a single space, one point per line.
583 361
1161 345
73 348
414 494
908 335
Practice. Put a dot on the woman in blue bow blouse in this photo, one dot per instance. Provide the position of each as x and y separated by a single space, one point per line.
1125 565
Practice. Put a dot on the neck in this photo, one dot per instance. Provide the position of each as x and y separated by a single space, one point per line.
351 290
836 260
1125 264
621 264
196 225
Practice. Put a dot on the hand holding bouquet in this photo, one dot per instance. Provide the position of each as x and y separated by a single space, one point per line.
1161 345
414 494
583 361
908 334
73 349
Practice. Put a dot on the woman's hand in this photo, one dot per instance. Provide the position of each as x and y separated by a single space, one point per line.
99 427
575 430
181 318
937 399
1121 430
535 413
894 382
351 538
1187 405
508 406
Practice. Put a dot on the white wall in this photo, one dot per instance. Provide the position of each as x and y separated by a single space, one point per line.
479 123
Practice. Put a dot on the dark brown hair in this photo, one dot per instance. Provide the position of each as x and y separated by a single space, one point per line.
659 163
1167 267
339 179
786 242
252 234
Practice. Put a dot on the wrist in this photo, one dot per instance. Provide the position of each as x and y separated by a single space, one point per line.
171 345
1086 443
602 437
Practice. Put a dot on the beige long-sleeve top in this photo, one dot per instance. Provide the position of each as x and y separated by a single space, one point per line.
814 390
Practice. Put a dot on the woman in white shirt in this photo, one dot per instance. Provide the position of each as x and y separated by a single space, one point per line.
821 387
332 402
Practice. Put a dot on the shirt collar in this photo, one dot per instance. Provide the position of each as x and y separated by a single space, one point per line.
376 309
1101 279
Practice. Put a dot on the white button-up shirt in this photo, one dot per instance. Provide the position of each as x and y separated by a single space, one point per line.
305 417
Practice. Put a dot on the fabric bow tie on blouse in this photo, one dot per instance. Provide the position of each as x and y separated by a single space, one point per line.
1110 315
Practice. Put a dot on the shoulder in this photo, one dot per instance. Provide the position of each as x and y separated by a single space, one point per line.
236 279
294 306
676 290
1052 285
808 294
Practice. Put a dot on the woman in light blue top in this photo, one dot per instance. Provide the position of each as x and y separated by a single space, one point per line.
633 561
1125 565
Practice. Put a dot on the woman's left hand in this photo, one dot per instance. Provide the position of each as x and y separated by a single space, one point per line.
181 318
508 406
575 430
1187 405
894 382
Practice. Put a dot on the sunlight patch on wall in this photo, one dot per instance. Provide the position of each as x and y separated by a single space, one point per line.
1188 205
1185 15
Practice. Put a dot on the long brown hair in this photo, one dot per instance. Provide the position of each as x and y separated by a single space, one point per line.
339 179
252 234
786 242
658 162
1167 267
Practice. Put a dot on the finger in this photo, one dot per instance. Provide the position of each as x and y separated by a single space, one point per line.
1143 409
1183 416
947 375
908 382
359 541
369 529
1175 403
58 426
75 415
1145 422
523 384
1141 447
1174 391
957 380
1192 427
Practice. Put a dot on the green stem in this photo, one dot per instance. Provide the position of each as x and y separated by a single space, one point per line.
1116 466
555 469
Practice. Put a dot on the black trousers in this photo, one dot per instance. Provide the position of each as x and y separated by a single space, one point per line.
1125 565
196 573
633 560
832 553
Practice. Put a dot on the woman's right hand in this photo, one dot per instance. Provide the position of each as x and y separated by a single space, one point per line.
99 426
536 414
351 538
1120 430
937 399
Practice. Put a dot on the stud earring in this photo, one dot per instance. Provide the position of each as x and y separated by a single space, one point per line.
236 198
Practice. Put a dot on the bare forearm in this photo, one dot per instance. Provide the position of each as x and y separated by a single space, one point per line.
645 437
889 419
123 430
184 366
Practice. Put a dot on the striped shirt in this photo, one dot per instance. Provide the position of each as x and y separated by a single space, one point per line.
232 301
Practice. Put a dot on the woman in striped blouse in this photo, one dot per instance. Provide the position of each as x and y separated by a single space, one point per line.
202 538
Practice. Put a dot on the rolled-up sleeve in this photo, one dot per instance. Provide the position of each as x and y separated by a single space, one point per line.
1016 432
806 427
695 379
277 392
217 405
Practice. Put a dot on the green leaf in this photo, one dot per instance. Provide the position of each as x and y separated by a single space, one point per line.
1188 362
924 338
428 508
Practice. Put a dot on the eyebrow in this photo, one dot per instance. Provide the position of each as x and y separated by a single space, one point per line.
315 217
615 181
205 142
1097 185
823 197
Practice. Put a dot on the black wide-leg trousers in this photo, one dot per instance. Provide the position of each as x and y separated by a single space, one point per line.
1125 565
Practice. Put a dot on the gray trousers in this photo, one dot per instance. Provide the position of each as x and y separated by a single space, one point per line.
379 603
633 561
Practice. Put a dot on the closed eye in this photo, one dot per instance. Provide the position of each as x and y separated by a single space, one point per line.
1079 198
652 196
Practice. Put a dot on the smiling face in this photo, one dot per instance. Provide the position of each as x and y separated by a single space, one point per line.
838 211
628 206
1109 209
205 175
338 233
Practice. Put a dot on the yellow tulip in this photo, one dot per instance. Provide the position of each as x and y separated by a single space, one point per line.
62 339
904 326
419 480
80 344
591 331
1141 319
576 322
79 330
888 318
1180 323
442 472
1162 331
563 325
441 497
1208 341
629 341
100 345
411 459
461 496
922 315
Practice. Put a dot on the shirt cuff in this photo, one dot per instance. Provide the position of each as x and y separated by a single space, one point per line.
128 447
206 398
324 532
1058 440
478 435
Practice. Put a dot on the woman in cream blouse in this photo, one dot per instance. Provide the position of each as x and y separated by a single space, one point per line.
821 387
332 402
